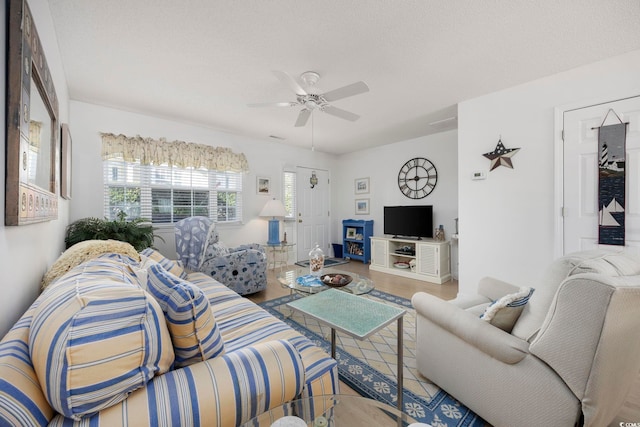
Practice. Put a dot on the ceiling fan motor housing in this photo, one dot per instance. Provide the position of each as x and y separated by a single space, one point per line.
312 101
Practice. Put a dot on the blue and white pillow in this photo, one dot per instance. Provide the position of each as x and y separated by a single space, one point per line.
193 328
95 338
504 313
173 267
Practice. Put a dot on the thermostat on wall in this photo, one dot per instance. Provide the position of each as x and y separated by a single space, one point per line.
479 175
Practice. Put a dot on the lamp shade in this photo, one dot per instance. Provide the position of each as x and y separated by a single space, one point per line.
273 208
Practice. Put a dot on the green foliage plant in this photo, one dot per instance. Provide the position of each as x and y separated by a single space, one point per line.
138 232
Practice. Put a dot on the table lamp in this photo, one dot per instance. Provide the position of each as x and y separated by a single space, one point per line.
274 208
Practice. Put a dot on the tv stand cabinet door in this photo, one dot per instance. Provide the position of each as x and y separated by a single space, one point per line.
379 252
432 259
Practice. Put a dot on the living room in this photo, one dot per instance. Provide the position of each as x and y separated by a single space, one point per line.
523 116
510 223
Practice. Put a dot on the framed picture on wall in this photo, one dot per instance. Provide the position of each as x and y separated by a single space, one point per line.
362 186
362 206
263 185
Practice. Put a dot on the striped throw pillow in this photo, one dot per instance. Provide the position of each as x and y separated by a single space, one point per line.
191 323
95 338
171 266
85 251
504 313
112 266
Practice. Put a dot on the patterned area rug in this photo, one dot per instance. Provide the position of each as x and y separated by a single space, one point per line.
329 262
369 366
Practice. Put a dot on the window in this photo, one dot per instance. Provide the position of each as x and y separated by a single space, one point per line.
289 191
228 196
167 194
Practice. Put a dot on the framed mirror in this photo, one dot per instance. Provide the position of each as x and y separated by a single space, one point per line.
32 125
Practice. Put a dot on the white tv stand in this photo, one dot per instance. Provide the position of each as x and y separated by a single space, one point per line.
431 258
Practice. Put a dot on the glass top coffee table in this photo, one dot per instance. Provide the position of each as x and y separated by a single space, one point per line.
355 316
360 284
332 410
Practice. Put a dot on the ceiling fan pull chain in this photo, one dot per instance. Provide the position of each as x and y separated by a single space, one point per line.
313 148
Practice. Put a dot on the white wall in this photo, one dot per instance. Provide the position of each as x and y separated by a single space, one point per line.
507 221
27 251
266 159
381 165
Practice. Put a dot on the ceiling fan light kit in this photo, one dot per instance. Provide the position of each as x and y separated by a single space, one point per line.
314 101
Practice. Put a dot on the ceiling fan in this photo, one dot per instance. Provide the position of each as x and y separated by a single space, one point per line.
311 101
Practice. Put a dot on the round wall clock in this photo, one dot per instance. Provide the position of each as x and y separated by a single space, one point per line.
417 178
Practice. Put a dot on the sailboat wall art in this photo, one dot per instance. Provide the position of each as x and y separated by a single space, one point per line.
611 184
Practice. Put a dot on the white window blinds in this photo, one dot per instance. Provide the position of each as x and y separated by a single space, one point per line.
166 194
289 191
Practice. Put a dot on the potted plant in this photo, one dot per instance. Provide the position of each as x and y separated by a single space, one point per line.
138 232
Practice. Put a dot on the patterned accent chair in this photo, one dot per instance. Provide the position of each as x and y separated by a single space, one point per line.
242 269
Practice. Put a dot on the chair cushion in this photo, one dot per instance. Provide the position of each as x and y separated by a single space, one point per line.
84 251
171 266
95 338
212 246
216 250
504 313
191 322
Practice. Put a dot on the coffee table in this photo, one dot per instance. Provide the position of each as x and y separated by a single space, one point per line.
355 316
335 410
287 279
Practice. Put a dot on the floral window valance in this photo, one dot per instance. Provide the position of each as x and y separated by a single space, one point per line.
151 151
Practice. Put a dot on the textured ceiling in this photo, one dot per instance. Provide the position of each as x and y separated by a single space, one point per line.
203 61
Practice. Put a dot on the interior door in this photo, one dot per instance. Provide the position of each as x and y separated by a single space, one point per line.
313 212
580 173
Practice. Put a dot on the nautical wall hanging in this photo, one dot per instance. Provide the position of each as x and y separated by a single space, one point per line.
611 182
501 156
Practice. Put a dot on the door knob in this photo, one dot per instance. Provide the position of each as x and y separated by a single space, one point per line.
299 220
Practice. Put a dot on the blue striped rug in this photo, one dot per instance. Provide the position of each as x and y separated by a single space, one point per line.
422 400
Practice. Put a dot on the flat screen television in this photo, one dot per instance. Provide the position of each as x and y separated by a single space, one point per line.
409 221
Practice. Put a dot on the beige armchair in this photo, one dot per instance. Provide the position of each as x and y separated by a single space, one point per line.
571 357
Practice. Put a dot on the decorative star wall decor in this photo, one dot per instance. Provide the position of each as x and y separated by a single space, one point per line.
501 156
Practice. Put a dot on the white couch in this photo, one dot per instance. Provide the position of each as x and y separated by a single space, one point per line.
571 357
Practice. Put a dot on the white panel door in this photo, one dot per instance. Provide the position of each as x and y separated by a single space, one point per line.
313 212
580 173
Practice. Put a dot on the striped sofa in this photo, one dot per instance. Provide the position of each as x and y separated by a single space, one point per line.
95 349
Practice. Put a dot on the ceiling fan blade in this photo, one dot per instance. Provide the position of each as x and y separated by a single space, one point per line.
339 112
289 81
303 117
345 91
273 104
